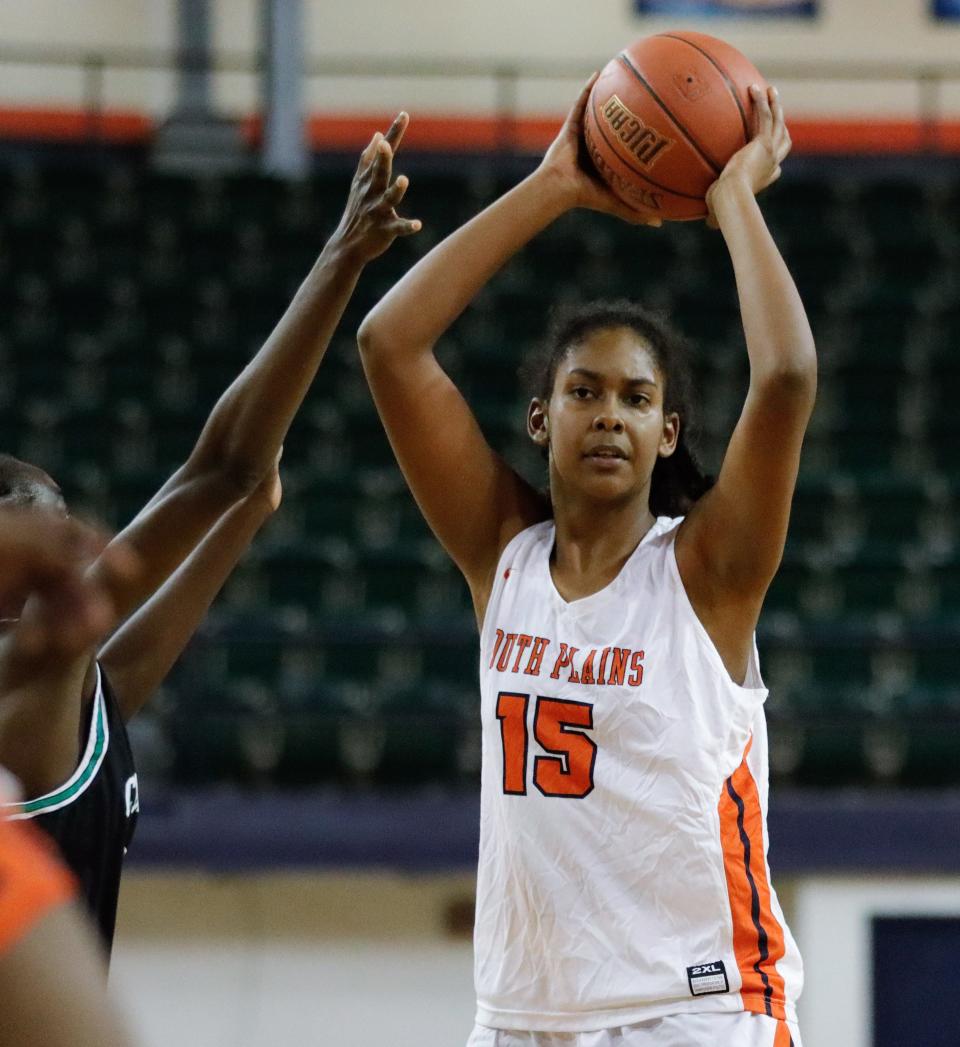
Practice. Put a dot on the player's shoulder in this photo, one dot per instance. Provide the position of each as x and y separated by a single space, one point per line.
528 544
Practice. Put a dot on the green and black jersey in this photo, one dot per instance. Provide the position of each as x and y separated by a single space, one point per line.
92 816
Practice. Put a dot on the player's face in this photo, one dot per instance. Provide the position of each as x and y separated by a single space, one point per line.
30 488
605 424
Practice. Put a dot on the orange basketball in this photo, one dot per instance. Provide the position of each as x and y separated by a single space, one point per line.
665 116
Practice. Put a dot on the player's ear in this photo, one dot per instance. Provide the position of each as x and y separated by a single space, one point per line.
538 424
670 435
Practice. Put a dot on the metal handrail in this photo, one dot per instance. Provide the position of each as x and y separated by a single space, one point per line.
173 59
505 76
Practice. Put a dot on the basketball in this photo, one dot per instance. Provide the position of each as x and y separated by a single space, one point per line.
665 116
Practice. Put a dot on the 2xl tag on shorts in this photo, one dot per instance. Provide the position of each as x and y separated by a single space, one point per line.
707 978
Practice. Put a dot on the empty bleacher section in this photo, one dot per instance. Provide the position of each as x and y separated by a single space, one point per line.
344 649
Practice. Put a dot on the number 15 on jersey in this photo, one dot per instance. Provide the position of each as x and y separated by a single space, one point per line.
559 728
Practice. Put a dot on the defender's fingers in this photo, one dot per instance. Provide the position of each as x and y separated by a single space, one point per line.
405 226
366 157
396 192
398 128
381 167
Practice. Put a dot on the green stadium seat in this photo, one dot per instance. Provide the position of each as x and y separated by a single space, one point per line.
344 648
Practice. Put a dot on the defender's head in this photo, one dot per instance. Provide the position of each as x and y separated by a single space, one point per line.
28 487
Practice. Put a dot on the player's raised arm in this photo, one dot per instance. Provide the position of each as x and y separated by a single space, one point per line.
144 649
41 697
240 442
473 501
732 542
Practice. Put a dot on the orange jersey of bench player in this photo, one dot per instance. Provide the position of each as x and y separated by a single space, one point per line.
32 880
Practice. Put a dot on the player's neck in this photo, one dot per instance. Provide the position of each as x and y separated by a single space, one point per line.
593 541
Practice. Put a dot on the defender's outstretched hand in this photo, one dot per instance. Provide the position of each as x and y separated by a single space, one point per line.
370 221
757 164
567 159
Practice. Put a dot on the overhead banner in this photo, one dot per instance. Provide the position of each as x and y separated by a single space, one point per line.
781 8
947 9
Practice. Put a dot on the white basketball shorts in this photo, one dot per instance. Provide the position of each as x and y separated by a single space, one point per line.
742 1029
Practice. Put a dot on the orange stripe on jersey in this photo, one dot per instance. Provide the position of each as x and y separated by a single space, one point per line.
783 1037
32 880
757 936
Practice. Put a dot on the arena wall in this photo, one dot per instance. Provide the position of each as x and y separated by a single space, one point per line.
573 36
361 958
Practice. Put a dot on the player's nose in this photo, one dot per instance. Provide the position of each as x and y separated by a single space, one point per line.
607 422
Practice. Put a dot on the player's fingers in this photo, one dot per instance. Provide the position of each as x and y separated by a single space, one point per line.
381 166
366 157
394 135
761 108
633 215
405 226
780 132
396 192
776 109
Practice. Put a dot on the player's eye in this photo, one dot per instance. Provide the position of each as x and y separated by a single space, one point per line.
638 399
581 392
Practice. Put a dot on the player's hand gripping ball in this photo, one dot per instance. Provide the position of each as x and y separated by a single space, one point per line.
664 118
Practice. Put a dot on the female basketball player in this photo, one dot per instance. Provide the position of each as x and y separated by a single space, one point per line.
186 540
623 893
50 980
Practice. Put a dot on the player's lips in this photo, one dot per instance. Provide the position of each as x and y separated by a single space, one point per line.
606 453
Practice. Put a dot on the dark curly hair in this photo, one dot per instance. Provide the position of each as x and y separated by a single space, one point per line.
678 481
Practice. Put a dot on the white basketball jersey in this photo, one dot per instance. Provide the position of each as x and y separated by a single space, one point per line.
623 871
